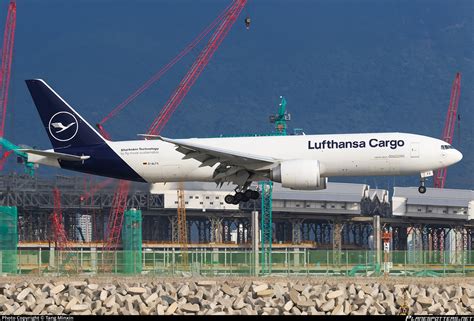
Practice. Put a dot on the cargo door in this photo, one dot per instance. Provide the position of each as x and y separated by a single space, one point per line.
415 150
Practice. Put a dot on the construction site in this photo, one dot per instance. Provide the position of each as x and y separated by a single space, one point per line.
83 226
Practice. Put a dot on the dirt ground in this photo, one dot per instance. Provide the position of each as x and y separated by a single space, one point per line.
421 281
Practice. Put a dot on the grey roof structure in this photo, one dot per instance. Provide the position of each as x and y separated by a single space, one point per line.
335 192
435 196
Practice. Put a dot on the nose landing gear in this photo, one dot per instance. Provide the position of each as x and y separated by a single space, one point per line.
423 176
422 188
241 197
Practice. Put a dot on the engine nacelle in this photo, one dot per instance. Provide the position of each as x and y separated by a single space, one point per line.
301 174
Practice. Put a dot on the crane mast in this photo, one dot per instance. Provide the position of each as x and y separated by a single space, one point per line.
222 26
5 71
198 66
449 125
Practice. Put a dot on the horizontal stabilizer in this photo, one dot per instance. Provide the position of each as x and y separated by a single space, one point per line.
61 156
148 136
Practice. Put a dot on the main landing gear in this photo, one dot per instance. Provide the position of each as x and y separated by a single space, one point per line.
241 197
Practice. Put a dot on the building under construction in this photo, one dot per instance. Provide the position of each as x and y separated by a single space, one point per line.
68 224
345 218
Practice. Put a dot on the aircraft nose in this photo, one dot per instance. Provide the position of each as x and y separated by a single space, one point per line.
456 156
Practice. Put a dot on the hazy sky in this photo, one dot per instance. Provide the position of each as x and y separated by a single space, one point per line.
343 66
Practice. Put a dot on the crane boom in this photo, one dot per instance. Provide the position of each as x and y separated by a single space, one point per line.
198 66
222 24
449 125
160 73
7 57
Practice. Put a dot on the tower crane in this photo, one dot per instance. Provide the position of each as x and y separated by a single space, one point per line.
280 120
221 29
5 71
449 125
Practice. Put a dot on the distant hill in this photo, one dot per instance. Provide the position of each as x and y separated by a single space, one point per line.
343 66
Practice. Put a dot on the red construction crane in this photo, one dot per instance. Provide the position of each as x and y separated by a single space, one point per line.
7 56
114 224
59 233
88 193
196 69
60 236
160 73
449 125
222 27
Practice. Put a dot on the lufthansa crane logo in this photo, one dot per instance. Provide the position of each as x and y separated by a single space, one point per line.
63 126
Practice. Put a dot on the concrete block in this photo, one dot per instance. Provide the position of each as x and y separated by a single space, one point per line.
103 295
188 307
172 308
136 290
265 293
300 287
79 308
328 306
227 289
288 306
295 311
259 288
183 291
57 289
424 301
206 283
110 301
22 295
152 298
238 303
334 294
70 304
338 310
20 311
464 299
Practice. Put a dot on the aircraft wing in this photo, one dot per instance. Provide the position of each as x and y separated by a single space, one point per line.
235 166
203 153
59 156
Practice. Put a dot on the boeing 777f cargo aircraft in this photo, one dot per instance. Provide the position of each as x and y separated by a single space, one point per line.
302 162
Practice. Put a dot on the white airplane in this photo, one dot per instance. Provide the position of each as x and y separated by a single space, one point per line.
301 162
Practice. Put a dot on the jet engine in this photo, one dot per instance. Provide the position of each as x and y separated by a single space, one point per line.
300 174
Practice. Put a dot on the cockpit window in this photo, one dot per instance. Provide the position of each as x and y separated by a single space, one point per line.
446 147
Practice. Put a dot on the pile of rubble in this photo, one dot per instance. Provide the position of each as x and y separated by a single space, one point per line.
241 297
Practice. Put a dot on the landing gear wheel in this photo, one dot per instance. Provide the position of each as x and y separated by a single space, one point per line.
422 189
248 193
238 197
255 195
229 199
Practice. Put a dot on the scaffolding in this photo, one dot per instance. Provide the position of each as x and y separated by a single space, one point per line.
267 227
8 239
132 242
240 262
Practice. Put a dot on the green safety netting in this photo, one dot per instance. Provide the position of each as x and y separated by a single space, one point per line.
8 239
132 242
